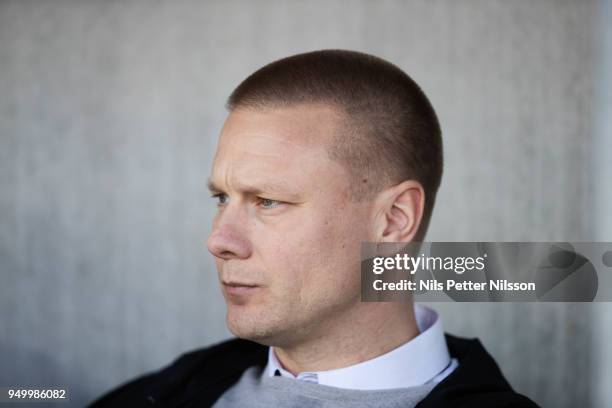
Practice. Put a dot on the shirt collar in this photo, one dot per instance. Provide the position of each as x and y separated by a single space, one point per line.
414 363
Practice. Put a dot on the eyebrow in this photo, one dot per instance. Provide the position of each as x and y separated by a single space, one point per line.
256 190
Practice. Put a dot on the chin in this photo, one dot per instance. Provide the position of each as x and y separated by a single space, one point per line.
251 327
245 325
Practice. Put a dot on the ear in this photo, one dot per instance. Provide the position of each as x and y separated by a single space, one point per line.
399 211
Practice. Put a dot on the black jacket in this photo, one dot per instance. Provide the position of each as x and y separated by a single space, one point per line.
199 378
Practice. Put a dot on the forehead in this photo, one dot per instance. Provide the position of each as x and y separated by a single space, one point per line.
281 142
301 127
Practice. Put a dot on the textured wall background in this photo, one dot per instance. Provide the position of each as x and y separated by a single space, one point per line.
109 113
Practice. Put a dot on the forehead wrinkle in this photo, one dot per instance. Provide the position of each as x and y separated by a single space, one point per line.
247 154
255 188
244 163
254 176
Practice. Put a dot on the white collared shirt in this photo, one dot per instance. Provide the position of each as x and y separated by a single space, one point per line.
423 359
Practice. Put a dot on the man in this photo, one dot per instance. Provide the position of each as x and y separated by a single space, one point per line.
320 152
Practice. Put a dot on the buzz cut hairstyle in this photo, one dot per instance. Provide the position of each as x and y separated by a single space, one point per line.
389 131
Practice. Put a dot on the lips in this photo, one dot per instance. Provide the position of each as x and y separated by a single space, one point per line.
238 284
240 289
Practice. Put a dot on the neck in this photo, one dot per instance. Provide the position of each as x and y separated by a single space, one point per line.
370 330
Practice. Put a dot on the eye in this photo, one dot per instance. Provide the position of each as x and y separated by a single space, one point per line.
269 204
221 198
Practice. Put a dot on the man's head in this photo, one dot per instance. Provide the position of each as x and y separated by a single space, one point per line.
320 152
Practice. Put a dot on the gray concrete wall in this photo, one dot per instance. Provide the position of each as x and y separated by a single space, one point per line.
602 168
109 113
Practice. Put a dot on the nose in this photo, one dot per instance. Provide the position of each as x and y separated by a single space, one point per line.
226 241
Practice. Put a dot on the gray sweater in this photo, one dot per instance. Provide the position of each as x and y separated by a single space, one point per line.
256 389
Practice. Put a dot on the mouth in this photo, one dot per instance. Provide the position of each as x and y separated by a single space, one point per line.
239 289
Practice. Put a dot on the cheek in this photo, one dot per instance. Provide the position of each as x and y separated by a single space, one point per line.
333 277
320 258
341 248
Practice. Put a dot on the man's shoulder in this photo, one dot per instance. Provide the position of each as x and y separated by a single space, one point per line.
476 382
217 366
